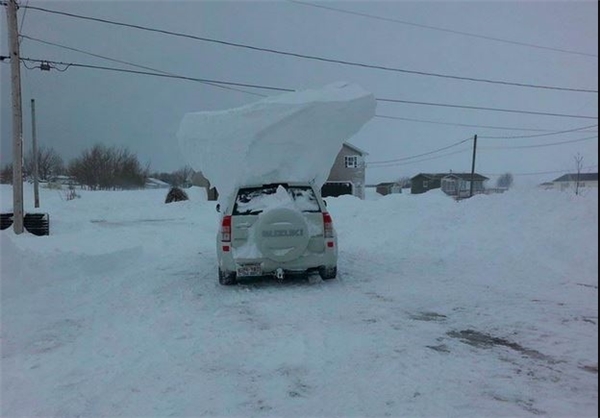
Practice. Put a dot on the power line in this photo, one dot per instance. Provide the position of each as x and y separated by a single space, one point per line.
421 160
155 74
133 65
281 89
543 145
23 17
261 95
312 57
539 172
505 128
422 155
539 135
440 29
494 109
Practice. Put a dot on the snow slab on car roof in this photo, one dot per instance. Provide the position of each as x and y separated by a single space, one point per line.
294 137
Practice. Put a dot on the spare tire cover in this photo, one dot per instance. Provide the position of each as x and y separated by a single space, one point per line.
282 234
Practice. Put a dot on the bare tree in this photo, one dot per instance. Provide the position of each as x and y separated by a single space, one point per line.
404 182
50 164
179 178
107 168
6 174
505 181
183 176
579 166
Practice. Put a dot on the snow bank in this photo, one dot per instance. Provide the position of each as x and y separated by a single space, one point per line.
292 137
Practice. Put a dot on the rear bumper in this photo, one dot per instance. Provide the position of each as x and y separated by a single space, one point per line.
309 261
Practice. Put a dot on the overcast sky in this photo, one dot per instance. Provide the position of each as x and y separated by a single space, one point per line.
80 107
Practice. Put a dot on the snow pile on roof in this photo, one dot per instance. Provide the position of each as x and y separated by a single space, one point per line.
292 137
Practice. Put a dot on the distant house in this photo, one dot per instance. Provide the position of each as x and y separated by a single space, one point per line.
199 180
152 183
388 188
347 175
453 184
424 182
63 180
459 184
569 181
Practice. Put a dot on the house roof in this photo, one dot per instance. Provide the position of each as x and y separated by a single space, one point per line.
467 176
582 177
463 176
355 149
431 176
156 181
389 183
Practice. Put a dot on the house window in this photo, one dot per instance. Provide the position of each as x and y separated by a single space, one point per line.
425 184
351 161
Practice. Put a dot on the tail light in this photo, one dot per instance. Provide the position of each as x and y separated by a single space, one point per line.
226 229
327 225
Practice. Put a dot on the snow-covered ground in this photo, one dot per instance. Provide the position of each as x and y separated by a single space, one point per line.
487 307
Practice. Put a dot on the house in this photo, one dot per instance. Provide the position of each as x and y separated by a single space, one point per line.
453 184
389 188
347 175
459 184
152 183
59 180
570 181
424 182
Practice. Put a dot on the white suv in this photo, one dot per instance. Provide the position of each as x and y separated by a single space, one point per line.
276 229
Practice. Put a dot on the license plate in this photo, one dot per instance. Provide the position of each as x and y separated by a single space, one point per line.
250 270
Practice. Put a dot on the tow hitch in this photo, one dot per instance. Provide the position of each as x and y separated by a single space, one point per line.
279 274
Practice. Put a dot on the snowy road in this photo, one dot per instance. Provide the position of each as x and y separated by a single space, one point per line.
488 307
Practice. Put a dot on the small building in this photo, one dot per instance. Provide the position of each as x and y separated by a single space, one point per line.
459 184
389 188
347 175
58 181
424 182
570 181
153 183
453 184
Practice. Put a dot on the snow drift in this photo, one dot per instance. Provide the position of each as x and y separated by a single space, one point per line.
291 137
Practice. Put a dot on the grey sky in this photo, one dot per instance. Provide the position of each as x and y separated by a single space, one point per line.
80 107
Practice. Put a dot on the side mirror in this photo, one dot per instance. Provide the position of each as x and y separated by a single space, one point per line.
218 207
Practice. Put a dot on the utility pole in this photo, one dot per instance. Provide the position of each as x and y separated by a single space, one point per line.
36 189
473 166
17 119
578 161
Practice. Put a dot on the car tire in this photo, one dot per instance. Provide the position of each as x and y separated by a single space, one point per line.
227 279
328 273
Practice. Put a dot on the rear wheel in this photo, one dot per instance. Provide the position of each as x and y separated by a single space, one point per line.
227 279
328 273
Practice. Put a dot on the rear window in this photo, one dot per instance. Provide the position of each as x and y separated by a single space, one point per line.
254 200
